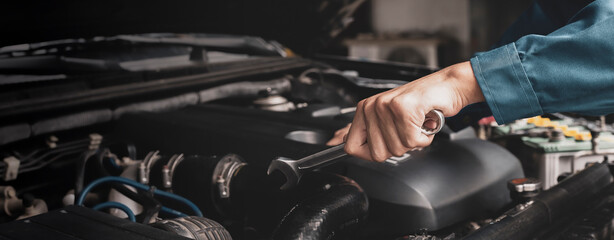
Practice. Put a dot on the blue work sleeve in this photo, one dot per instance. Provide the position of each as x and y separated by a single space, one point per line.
568 70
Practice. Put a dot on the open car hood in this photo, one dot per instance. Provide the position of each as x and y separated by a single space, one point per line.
304 26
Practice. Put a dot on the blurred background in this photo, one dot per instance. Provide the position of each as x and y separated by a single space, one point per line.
435 33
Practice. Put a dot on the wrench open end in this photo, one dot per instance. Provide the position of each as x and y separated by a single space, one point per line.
288 168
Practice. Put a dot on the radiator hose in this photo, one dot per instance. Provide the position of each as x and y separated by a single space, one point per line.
336 206
549 207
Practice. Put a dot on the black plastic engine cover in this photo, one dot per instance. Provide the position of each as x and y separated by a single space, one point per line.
445 184
442 185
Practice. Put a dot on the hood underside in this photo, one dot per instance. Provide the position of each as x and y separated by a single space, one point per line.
304 26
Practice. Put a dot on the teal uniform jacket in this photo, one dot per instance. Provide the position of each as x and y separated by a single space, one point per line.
557 57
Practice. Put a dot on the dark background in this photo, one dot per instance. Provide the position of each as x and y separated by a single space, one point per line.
302 25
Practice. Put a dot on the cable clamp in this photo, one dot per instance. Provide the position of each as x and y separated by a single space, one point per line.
12 168
169 169
224 171
146 165
95 141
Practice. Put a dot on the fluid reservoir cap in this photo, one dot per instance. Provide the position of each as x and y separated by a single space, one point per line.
543 122
562 127
524 185
571 132
583 136
534 119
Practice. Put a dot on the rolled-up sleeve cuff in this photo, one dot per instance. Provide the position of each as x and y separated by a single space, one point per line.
505 84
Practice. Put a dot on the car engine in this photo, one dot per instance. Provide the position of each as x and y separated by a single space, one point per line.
169 136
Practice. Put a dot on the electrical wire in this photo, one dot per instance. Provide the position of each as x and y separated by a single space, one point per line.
173 212
30 167
29 162
117 205
58 147
81 196
111 161
42 165
33 162
81 163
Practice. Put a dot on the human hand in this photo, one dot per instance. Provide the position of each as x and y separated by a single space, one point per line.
339 136
388 124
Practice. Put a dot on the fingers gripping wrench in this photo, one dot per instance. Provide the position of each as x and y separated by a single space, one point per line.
293 169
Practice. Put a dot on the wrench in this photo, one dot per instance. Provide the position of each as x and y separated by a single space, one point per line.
293 170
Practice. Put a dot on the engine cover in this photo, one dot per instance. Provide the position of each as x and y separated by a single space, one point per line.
444 184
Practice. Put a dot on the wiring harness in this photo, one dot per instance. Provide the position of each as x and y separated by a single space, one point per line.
139 186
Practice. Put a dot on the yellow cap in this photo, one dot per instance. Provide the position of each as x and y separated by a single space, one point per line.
562 127
583 136
534 119
553 124
570 133
543 122
289 53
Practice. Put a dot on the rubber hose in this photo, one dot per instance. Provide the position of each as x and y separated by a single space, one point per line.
243 89
338 207
198 228
545 209
71 121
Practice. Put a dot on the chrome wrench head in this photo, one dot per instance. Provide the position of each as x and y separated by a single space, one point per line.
438 117
290 170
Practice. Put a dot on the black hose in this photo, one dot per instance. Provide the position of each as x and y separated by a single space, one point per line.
545 209
243 89
80 170
159 105
337 207
13 133
72 121
193 227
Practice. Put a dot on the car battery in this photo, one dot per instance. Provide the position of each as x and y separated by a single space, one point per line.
551 150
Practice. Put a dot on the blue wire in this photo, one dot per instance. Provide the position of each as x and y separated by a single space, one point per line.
113 163
173 212
138 185
117 205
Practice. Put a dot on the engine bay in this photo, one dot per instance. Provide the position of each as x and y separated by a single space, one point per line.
185 150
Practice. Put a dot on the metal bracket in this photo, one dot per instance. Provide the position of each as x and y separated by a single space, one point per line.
12 168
